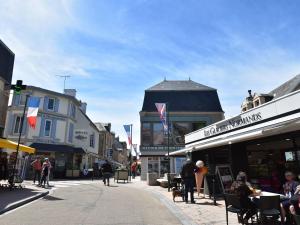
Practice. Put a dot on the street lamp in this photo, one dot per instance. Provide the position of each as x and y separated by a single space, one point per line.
18 87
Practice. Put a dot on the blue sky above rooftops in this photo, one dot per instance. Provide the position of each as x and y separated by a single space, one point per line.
114 50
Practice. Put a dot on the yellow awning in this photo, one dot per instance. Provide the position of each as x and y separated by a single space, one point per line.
4 143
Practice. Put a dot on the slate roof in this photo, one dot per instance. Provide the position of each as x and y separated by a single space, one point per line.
286 88
182 96
179 85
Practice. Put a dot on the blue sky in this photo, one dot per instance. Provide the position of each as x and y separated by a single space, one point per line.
114 50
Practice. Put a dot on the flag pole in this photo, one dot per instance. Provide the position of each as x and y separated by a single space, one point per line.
168 124
19 139
131 125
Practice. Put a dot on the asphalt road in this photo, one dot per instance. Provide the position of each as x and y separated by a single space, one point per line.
93 204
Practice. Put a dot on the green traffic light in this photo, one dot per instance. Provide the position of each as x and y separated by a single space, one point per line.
18 90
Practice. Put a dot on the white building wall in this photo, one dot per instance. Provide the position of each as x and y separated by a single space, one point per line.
61 127
83 124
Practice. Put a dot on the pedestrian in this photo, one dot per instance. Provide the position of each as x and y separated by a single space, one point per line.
188 176
37 169
107 172
45 172
133 169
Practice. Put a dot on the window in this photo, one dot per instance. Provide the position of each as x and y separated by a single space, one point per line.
146 134
71 131
51 103
72 110
256 103
158 134
22 99
92 140
47 129
17 125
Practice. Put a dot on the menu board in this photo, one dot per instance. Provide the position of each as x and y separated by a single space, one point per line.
225 175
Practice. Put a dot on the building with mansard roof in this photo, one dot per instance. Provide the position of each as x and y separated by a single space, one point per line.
191 106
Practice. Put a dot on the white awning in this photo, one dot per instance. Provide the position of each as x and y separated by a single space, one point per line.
275 127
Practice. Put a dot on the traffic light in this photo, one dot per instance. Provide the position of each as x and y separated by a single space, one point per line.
18 87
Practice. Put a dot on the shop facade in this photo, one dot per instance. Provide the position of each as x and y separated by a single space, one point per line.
63 132
263 141
191 106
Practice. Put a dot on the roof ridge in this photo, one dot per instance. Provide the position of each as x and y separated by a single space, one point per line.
180 85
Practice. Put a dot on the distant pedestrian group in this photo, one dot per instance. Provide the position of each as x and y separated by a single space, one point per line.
41 171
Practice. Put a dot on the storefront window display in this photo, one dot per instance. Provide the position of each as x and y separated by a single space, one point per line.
180 129
153 165
159 138
146 134
268 161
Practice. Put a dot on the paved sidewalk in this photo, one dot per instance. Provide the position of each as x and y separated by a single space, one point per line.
204 212
19 196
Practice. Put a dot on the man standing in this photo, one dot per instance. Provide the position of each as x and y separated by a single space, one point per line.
187 175
37 168
133 169
107 172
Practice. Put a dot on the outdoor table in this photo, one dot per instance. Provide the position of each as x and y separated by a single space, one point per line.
266 193
177 180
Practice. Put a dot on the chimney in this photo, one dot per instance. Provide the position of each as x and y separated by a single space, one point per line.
250 93
70 92
83 106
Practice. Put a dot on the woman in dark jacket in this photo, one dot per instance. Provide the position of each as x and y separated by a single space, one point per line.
240 188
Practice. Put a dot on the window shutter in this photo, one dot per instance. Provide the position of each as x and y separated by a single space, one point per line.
56 106
11 121
42 126
53 128
46 98
16 100
71 131
25 125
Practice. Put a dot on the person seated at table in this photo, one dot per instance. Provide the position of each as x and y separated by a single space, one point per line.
241 174
240 188
289 189
295 202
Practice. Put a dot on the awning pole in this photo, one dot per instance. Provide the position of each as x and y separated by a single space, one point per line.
19 139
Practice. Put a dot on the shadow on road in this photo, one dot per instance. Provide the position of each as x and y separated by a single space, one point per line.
52 198
113 186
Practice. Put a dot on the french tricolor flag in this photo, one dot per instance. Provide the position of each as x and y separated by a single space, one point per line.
33 109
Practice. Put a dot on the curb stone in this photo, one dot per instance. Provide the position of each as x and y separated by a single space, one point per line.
24 202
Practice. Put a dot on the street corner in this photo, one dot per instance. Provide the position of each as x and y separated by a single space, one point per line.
20 196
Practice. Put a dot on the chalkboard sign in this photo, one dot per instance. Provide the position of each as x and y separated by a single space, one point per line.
225 177
212 185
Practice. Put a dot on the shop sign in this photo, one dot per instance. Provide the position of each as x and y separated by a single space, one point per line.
160 148
81 135
232 123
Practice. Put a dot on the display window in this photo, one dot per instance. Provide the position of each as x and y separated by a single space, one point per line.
146 134
268 161
159 137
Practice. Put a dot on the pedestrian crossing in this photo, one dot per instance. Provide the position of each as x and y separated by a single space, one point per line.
69 183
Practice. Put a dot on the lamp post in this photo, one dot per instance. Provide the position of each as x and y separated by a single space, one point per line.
18 87
168 144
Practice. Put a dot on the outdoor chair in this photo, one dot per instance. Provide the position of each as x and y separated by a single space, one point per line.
297 219
233 205
269 208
